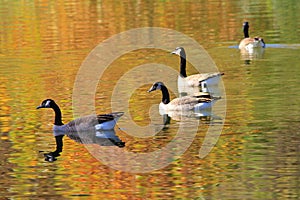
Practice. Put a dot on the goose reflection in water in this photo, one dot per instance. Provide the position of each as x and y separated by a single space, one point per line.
256 54
101 138
202 115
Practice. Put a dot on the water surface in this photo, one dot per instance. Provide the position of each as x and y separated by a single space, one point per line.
42 46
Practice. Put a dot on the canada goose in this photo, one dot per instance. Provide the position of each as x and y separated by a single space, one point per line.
182 103
195 80
90 122
249 43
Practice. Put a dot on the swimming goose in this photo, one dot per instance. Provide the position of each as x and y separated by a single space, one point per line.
98 122
199 102
249 43
195 80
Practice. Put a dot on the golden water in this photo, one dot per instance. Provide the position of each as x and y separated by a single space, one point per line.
42 46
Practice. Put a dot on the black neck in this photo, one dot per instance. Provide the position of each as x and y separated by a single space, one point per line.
183 64
59 143
58 117
165 95
246 31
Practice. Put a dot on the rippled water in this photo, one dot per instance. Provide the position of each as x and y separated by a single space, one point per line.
257 156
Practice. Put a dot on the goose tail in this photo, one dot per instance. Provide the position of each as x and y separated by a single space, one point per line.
108 121
117 114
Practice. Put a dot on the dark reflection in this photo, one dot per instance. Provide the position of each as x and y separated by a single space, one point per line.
51 157
247 62
166 122
102 138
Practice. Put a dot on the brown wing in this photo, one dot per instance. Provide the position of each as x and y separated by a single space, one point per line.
186 100
194 80
89 121
202 94
108 117
203 100
186 103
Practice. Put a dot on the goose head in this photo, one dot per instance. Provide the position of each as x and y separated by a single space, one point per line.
179 51
47 103
246 24
156 86
165 93
260 41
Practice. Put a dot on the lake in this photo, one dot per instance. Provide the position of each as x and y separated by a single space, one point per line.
98 56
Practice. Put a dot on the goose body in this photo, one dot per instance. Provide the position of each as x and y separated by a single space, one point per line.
250 44
90 122
185 103
186 82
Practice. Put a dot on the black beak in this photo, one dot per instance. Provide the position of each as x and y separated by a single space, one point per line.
39 107
151 89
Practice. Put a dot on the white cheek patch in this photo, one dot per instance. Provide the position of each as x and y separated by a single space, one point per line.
176 51
47 104
158 87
